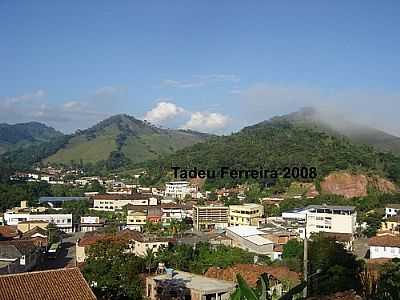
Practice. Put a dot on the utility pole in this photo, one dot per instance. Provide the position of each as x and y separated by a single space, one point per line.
305 260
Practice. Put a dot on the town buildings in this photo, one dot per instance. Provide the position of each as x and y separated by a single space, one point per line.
209 217
61 221
246 214
137 242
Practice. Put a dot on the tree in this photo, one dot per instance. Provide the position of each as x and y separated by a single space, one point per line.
389 281
149 259
112 272
292 255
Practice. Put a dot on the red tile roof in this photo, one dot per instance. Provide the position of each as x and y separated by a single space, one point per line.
251 273
8 232
46 285
385 241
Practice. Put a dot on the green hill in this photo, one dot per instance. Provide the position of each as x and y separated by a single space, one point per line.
125 138
337 125
24 134
277 144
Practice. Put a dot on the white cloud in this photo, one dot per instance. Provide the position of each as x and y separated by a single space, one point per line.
26 97
204 121
163 111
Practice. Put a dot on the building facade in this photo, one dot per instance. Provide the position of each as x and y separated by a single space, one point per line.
178 189
62 221
332 219
246 214
210 217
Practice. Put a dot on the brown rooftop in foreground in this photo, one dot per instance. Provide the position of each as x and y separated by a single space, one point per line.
67 284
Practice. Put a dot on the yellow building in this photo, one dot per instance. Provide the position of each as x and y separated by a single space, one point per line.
135 220
28 225
392 224
246 214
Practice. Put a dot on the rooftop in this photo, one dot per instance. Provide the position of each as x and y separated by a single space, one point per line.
197 282
47 285
245 230
393 205
8 232
385 241
332 207
251 273
60 199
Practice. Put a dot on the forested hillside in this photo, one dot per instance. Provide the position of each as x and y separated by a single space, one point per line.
276 145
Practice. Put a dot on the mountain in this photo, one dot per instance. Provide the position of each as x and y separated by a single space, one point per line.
277 144
121 139
24 134
337 125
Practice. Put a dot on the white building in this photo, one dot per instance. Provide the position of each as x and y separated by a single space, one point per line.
296 214
250 239
62 221
384 246
331 219
90 224
178 189
117 202
392 210
172 211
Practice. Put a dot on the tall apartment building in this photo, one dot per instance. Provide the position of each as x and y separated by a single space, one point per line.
210 217
331 219
246 214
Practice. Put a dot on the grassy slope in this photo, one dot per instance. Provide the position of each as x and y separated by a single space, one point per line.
79 147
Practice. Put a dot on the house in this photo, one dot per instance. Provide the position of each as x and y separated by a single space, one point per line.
136 220
18 256
251 239
38 236
332 219
210 217
137 242
50 285
384 246
246 214
281 279
8 232
25 226
176 212
392 210
61 221
182 285
88 224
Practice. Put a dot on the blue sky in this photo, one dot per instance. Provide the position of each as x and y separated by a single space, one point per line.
207 65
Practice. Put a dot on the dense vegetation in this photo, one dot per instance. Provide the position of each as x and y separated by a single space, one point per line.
276 145
12 136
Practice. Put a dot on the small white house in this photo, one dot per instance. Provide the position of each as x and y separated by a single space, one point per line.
384 246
